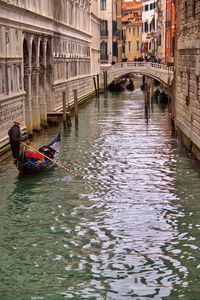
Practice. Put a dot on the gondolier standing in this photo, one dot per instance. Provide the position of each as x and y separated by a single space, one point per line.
15 135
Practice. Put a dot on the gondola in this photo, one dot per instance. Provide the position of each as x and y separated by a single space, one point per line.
130 86
32 166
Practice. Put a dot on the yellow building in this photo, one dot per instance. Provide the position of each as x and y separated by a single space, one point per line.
132 29
133 39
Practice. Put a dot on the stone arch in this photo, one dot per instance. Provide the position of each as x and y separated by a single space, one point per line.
146 74
41 53
25 53
48 53
33 54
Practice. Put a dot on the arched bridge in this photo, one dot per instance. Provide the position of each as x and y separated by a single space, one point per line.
160 72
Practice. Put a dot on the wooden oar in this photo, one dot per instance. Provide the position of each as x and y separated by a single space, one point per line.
55 162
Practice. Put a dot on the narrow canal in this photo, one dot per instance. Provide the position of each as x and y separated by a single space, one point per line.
126 226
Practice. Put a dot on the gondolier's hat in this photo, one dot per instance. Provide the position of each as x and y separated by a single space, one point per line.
17 122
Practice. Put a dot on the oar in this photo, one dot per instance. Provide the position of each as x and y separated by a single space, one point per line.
55 162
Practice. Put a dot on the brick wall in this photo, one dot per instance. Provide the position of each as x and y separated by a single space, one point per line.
187 75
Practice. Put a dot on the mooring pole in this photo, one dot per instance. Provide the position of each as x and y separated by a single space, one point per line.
64 109
105 77
104 81
95 86
76 106
98 85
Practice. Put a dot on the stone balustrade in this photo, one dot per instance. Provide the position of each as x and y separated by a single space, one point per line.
160 72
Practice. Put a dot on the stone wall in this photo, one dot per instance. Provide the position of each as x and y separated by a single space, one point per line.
187 72
45 49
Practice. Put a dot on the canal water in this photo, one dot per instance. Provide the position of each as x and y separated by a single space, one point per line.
122 223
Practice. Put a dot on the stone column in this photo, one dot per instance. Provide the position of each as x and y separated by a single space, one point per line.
34 97
28 104
42 96
49 89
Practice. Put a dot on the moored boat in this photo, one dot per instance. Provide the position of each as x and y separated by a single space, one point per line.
39 160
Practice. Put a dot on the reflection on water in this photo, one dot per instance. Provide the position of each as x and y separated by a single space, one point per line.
126 227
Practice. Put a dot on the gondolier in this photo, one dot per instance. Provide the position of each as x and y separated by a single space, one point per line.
15 136
33 161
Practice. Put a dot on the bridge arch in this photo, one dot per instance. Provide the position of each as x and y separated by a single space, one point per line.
160 72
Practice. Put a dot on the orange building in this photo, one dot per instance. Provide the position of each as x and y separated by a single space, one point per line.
170 31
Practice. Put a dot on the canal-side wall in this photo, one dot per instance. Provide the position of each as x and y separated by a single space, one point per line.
47 47
187 74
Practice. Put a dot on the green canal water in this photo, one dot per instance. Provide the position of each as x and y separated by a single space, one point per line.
123 223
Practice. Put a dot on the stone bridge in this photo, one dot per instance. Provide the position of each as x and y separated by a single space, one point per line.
160 72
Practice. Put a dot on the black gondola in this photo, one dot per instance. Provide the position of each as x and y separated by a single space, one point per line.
130 86
31 165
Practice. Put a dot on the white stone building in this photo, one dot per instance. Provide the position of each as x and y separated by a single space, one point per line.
108 31
149 27
161 28
95 34
46 48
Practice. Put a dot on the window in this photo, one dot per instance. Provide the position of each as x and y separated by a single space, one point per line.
129 47
146 8
152 6
146 26
114 28
103 5
104 28
103 51
152 24
115 49
159 40
138 46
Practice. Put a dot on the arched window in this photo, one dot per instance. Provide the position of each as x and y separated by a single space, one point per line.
34 54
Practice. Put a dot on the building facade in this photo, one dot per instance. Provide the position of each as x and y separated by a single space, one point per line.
186 112
161 31
46 48
132 29
108 31
119 30
149 27
170 31
95 35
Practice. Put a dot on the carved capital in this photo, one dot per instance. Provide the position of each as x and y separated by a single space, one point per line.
27 71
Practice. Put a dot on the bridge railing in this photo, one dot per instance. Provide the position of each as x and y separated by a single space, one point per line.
139 65
161 72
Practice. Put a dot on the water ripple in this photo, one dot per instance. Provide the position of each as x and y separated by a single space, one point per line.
123 228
